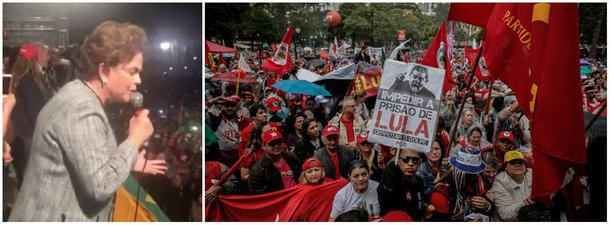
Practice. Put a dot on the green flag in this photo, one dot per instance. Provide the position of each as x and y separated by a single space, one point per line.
210 136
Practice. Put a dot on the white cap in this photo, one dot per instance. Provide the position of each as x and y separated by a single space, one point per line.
320 99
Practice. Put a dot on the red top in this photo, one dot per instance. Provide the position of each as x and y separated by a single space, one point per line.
335 158
349 126
287 174
249 160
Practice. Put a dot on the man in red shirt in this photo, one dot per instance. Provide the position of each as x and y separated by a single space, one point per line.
349 124
335 158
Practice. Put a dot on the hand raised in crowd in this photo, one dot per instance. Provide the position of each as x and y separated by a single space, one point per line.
219 99
212 193
153 167
380 161
140 128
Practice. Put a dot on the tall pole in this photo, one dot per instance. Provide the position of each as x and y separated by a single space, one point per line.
454 127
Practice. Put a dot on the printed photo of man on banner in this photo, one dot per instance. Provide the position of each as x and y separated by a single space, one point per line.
407 106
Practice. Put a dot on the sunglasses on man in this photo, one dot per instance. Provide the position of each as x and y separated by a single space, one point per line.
406 159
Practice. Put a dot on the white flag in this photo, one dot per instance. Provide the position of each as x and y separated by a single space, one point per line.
243 65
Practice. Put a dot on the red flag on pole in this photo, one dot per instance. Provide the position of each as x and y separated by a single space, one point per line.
471 13
436 56
281 63
534 49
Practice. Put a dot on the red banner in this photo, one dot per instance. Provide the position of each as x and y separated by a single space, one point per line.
471 13
299 203
367 81
534 49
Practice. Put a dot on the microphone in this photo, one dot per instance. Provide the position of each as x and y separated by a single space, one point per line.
137 100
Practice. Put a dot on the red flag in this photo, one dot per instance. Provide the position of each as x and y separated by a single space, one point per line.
299 203
436 56
482 72
471 13
281 63
534 49
209 58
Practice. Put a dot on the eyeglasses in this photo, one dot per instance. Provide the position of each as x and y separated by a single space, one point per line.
517 162
275 143
406 159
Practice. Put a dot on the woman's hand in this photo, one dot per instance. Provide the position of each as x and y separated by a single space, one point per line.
153 167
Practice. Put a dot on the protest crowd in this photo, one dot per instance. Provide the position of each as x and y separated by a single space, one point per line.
265 142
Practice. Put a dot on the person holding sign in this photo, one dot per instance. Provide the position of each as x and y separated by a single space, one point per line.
415 86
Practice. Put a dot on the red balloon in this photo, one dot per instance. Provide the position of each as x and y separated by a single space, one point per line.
239 73
333 18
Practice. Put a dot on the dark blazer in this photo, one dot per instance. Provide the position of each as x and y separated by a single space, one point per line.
346 155
265 178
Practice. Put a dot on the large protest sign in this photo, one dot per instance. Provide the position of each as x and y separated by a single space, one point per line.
407 106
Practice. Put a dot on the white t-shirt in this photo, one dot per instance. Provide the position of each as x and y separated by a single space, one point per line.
347 199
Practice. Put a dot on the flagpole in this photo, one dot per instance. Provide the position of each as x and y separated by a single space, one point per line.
454 127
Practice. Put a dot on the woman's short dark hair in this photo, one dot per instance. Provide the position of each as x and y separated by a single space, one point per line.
111 43
357 164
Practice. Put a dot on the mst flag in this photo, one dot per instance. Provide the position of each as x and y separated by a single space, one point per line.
299 203
534 49
280 63
471 13
436 56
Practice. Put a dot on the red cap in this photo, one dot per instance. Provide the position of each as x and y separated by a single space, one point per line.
506 135
311 163
234 99
330 130
247 93
271 135
397 216
28 51
273 104
362 137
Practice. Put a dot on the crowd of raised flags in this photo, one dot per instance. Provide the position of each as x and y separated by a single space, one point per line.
503 153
